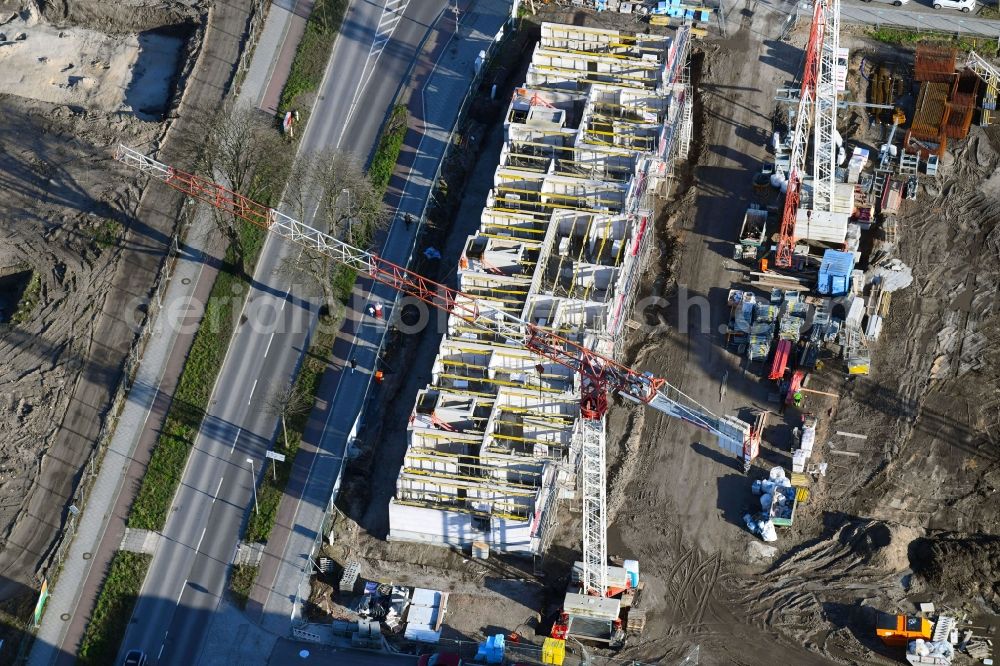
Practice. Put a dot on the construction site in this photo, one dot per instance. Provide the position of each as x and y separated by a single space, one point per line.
708 369
719 228
561 242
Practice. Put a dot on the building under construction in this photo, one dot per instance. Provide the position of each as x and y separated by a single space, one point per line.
591 138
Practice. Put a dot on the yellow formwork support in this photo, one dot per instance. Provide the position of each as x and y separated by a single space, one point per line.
450 436
528 440
519 489
617 56
624 121
446 506
517 190
533 244
484 368
590 56
498 382
473 483
621 83
575 149
548 204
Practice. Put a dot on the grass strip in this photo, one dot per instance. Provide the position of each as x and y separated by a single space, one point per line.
194 388
390 143
313 53
29 299
903 37
113 609
276 474
241 582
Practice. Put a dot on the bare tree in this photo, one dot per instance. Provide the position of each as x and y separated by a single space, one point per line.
330 191
287 402
349 206
243 150
313 268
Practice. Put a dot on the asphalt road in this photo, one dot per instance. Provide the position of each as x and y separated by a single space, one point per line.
919 15
187 576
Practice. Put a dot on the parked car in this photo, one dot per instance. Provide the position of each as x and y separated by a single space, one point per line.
961 5
135 658
896 3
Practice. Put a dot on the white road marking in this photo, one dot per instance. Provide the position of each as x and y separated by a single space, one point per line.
182 591
160 653
232 448
218 488
252 389
392 14
269 344
201 538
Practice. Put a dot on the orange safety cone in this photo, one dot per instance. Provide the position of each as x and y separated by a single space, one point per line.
763 265
379 376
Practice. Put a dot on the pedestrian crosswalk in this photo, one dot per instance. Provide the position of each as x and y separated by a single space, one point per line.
392 14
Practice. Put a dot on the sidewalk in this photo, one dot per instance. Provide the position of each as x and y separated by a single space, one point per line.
333 422
103 522
279 38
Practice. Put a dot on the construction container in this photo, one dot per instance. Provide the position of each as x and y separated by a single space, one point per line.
858 365
892 196
752 234
959 121
350 577
632 569
901 629
966 88
931 111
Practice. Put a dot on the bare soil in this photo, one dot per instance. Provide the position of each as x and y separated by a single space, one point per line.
68 221
915 514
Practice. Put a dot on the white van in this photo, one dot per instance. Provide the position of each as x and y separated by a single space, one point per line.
963 5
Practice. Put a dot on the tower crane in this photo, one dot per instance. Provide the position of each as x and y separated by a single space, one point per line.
600 375
816 117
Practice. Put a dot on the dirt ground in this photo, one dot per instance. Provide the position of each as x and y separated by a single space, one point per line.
919 498
68 230
908 514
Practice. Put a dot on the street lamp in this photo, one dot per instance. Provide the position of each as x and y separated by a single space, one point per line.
350 236
253 484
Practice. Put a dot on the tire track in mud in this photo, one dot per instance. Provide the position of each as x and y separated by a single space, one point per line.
693 581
